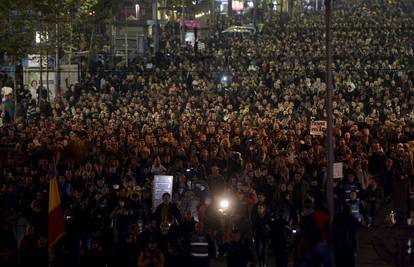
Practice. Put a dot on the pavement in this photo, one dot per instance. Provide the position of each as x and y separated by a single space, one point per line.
366 255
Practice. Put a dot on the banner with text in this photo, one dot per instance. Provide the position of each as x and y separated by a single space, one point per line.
318 127
162 184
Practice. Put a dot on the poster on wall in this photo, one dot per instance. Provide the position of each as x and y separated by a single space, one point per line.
31 77
161 184
68 73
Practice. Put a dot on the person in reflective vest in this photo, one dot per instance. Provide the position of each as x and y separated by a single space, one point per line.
201 247
355 206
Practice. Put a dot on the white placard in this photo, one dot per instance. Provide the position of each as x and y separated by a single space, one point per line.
33 61
162 184
318 127
338 170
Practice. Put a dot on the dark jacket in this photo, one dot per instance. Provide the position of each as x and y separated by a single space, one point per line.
238 254
173 215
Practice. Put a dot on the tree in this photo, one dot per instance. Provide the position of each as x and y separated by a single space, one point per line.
17 18
63 21
16 32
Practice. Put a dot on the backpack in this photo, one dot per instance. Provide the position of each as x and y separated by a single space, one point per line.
311 232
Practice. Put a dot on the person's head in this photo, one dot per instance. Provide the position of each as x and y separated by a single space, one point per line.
39 196
188 216
152 244
377 147
298 177
235 235
373 182
41 242
261 198
166 198
34 84
353 195
389 163
351 176
29 229
199 228
157 161
308 203
153 224
215 170
165 227
261 210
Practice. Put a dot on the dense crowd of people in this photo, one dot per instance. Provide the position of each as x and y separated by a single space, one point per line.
232 120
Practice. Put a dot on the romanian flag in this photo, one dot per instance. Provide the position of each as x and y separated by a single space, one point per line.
56 227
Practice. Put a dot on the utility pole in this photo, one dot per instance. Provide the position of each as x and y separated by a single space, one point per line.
195 35
182 24
155 33
57 67
212 15
281 13
126 46
329 93
255 3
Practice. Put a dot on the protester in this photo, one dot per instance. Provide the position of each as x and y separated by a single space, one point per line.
151 256
237 251
345 228
201 247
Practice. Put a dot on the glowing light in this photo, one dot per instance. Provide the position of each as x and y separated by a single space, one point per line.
224 204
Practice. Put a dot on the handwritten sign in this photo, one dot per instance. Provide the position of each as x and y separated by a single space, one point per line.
338 170
318 127
162 184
